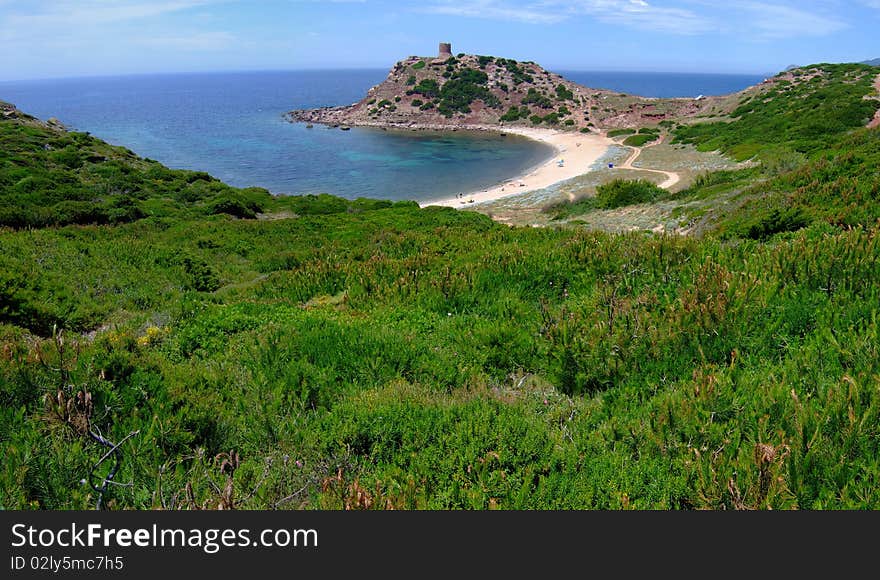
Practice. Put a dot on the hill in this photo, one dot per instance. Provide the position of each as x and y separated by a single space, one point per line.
808 122
874 62
320 353
485 91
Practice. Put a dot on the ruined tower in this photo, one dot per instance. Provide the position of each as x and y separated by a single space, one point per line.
445 50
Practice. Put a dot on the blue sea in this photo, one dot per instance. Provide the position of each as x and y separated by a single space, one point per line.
231 125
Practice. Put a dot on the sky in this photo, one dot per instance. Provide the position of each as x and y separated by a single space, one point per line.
66 38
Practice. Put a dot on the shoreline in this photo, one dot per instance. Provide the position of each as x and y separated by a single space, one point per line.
578 151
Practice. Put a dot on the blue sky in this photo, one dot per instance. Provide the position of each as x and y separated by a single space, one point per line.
57 38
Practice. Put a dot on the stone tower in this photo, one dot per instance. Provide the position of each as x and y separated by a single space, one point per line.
445 50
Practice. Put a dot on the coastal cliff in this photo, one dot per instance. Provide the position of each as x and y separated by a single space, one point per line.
471 92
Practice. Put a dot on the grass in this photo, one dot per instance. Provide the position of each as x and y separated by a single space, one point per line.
640 139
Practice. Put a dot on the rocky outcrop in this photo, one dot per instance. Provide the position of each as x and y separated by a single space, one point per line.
484 91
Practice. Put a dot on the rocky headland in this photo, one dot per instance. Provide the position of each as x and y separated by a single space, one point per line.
470 92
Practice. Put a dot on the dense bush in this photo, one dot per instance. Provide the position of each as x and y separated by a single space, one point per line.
465 86
428 88
622 192
640 139
534 97
563 93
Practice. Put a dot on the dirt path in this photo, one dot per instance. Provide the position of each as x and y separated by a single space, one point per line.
671 177
875 122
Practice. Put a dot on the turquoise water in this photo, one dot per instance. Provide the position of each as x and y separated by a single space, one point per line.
231 125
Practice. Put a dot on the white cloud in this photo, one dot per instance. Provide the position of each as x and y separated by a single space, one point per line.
532 13
644 15
53 20
634 13
754 19
77 12
776 20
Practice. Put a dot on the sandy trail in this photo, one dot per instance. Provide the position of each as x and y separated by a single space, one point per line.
671 177
578 151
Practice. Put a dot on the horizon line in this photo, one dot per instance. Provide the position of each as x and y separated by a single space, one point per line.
356 68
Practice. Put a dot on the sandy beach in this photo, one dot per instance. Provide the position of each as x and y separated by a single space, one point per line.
578 151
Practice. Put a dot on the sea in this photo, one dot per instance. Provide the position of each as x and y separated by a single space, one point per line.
231 125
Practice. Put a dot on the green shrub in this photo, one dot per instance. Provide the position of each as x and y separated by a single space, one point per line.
534 97
201 275
640 139
563 93
777 221
619 193
428 88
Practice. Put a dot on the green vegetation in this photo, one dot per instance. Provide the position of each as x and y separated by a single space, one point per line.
411 80
515 113
313 352
621 132
814 168
466 86
485 60
534 97
568 209
519 73
419 65
429 88
563 93
621 192
794 117
640 139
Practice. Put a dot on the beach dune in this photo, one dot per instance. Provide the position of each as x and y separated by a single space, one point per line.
576 151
